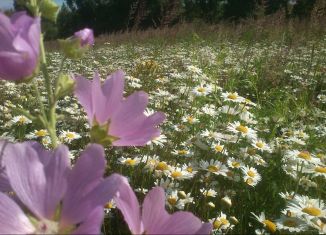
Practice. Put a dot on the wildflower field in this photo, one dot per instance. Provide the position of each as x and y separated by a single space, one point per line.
243 143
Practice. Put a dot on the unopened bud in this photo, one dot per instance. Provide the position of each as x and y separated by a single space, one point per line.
182 195
234 220
65 86
211 204
226 201
49 9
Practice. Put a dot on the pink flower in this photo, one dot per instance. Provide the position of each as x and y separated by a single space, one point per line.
86 36
154 219
19 46
123 119
50 197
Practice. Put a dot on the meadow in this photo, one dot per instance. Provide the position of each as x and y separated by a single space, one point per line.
243 145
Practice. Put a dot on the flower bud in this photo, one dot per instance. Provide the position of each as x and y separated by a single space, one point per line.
226 201
65 86
76 46
19 46
49 9
86 37
234 220
211 204
182 194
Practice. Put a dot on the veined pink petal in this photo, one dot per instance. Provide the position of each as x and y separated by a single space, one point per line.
98 100
83 92
146 131
127 203
56 183
26 176
113 91
129 114
83 179
12 218
40 187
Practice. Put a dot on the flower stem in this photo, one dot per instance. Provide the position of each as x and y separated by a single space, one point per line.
51 115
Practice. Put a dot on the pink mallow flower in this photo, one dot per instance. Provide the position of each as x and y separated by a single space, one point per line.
19 46
122 119
51 198
154 219
86 37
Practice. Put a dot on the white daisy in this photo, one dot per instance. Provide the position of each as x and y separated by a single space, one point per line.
21 120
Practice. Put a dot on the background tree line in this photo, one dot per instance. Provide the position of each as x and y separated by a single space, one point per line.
107 16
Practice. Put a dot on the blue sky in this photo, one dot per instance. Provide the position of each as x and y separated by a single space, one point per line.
6 4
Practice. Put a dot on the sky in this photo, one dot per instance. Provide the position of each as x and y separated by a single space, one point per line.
7 4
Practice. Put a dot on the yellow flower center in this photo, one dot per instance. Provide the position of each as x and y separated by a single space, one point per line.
312 211
232 96
219 222
290 223
190 119
242 129
109 205
201 89
235 164
213 168
182 152
190 169
176 174
251 174
41 133
251 151
172 201
304 155
320 169
130 162
218 148
260 144
270 225
70 135
22 120
161 166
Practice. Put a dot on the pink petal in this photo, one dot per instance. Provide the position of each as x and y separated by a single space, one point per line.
83 179
98 100
83 92
26 176
129 114
12 218
56 178
154 215
113 91
40 187
92 224
127 203
183 223
146 131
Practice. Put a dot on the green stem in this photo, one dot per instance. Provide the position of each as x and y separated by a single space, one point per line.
51 115
38 97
